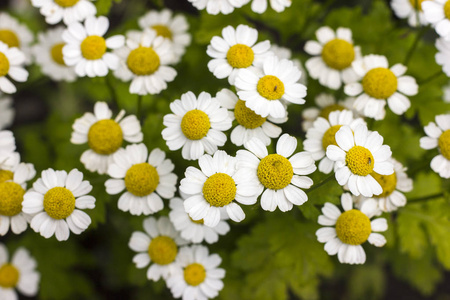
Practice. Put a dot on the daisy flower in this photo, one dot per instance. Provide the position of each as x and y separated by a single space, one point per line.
196 125
145 177
379 84
322 134
104 135
195 231
263 89
215 187
11 64
437 13
6 112
157 246
68 11
286 53
56 200
438 135
250 124
235 50
144 62
86 49
279 176
333 56
175 28
350 229
260 6
411 10
7 143
443 55
14 34
214 7
357 154
18 274
197 276
48 54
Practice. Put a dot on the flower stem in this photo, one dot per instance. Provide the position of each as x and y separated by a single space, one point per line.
331 176
139 108
425 198
419 34
430 78
112 90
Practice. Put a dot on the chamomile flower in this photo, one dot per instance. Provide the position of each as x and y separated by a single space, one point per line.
7 143
357 154
236 50
438 135
250 124
11 64
216 186
18 274
286 53
195 231
196 125
104 135
322 134
350 230
197 276
279 176
146 178
144 62
333 53
157 246
264 89
379 84
214 7
14 34
86 49
411 10
56 200
68 11
174 28
6 112
260 6
437 13
48 54
443 55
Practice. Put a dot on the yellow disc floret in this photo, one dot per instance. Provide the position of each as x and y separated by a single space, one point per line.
275 172
325 112
66 3
195 124
270 87
379 83
444 144
329 137
59 203
247 117
142 179
338 54
11 197
387 182
143 61
447 9
9 276
240 56
360 161
57 54
93 47
417 4
4 65
6 175
353 227
163 30
219 189
9 38
162 250
105 137
194 274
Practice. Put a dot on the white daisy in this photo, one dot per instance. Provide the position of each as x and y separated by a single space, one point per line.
358 153
14 34
333 56
351 229
175 28
196 125
197 276
236 50
411 10
145 177
144 62
438 135
260 6
18 274
195 231
263 89
443 55
379 84
56 200
104 135
7 112
214 187
68 11
7 143
157 246
48 54
437 13
214 7
11 62
86 49
322 134
286 53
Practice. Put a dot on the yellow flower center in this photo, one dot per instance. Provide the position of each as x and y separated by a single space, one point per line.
329 137
59 203
194 274
444 144
6 175
162 250
275 172
353 227
417 4
360 161
325 112
387 182
105 137
270 87
379 83
447 9
93 47
11 197
4 65
338 54
57 54
163 30
141 179
197 221
195 124
9 38
143 61
219 189
240 56
9 276
247 117
66 3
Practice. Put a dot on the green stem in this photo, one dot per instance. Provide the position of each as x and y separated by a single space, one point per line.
112 90
430 78
425 198
139 108
419 34
330 177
